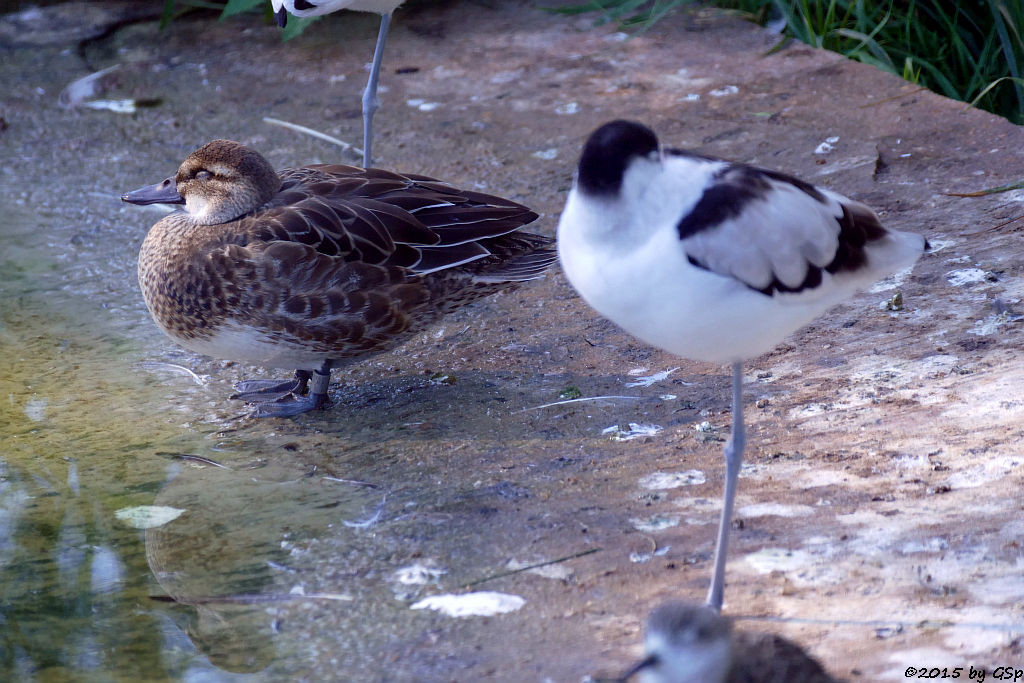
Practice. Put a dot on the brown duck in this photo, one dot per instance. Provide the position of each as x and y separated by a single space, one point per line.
309 267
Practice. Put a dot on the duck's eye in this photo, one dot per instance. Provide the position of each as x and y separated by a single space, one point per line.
203 175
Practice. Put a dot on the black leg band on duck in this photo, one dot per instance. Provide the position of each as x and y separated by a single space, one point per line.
321 380
318 387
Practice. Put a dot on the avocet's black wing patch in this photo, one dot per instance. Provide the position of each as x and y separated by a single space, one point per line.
733 187
773 232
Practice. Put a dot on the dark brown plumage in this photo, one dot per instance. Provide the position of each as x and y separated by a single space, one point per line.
770 658
310 266
691 643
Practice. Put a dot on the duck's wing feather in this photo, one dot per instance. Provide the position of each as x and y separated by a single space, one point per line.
291 291
380 217
346 260
294 293
773 232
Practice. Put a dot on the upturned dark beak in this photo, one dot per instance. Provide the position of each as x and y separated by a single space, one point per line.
164 192
649 660
281 16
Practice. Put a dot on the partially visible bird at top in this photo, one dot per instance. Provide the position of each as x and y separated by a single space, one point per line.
714 260
310 267
316 8
689 643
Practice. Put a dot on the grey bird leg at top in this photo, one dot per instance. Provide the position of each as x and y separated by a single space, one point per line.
370 100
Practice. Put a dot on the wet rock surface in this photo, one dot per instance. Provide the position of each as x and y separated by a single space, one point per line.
879 512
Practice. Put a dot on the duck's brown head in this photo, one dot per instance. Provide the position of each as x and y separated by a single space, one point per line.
219 182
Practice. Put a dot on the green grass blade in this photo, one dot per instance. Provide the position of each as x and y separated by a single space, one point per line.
1007 48
295 26
1017 81
871 60
592 6
866 41
238 7
167 13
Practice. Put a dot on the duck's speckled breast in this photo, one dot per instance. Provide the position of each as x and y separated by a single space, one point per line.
188 297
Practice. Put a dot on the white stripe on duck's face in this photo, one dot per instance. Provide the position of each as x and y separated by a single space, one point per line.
199 208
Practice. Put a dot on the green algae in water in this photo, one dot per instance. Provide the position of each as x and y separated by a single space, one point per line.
77 443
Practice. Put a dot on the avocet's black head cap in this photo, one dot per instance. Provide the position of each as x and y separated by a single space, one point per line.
608 152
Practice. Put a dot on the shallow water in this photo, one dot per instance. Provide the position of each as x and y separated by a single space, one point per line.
77 445
88 427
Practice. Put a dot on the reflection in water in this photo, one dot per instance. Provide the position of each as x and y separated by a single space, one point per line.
222 556
68 601
202 557
72 589
86 404
79 429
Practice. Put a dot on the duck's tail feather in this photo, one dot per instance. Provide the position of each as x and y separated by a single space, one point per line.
516 257
520 269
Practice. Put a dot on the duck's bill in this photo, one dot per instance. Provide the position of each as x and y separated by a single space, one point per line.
164 192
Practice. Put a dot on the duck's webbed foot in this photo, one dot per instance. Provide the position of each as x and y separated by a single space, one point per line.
269 390
290 404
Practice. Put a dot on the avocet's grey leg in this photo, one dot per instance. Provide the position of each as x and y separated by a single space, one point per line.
370 101
262 390
733 461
